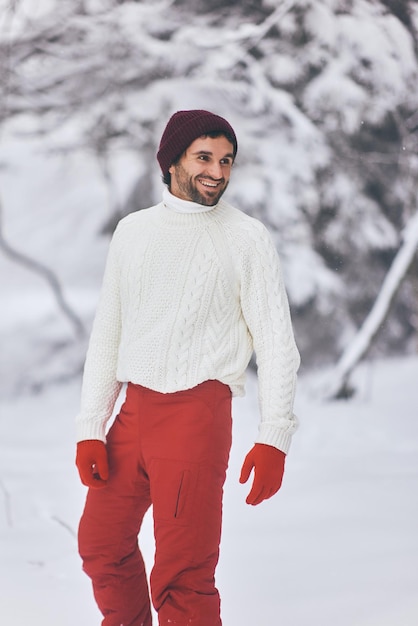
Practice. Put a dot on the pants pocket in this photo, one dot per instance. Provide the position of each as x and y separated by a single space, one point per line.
182 494
173 490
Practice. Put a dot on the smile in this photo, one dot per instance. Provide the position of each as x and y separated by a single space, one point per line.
207 183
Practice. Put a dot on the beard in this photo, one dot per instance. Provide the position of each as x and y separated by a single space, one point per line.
188 187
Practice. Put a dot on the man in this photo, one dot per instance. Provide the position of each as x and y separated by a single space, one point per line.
191 287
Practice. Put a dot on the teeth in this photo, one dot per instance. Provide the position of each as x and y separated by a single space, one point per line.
204 182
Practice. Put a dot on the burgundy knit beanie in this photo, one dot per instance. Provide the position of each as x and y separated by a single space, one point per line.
183 128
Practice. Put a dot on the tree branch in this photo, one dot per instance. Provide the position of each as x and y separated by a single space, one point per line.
50 278
380 310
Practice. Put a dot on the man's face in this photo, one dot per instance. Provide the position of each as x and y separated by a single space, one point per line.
202 173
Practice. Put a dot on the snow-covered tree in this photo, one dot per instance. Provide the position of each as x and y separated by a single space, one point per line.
323 95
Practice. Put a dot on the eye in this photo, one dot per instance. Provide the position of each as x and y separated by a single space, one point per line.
203 157
226 162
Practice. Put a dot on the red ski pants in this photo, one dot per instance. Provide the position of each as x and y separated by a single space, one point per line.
170 451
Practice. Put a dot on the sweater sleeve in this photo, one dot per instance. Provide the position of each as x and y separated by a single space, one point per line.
100 387
266 311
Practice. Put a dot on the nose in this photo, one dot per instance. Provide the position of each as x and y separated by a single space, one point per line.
215 170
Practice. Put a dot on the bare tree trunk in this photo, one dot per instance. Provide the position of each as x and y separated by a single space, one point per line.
50 278
339 384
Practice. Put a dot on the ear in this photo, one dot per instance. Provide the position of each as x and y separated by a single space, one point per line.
171 169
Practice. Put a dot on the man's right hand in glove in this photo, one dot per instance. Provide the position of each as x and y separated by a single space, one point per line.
92 463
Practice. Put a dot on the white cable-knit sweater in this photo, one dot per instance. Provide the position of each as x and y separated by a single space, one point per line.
188 293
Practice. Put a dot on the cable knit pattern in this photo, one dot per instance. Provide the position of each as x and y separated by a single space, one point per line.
187 297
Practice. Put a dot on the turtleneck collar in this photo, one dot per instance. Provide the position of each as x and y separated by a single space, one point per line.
184 206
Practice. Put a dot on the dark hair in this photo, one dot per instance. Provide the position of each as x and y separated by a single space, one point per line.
213 134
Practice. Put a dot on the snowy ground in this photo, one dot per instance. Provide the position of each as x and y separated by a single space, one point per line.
338 546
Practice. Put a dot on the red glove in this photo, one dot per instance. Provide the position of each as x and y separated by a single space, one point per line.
268 464
92 464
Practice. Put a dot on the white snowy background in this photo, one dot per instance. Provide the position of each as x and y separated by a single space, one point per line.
337 545
323 95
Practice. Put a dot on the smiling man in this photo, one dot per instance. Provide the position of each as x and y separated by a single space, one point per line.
202 174
192 286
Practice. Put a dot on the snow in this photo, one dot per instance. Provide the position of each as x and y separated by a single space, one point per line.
337 96
45 198
337 545
322 95
358 347
367 50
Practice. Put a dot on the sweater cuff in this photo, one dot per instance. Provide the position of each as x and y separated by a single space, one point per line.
90 430
273 436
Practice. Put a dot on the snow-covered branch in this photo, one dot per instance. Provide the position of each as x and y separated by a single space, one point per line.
338 386
49 276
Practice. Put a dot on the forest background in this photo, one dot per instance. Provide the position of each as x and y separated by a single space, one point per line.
323 96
